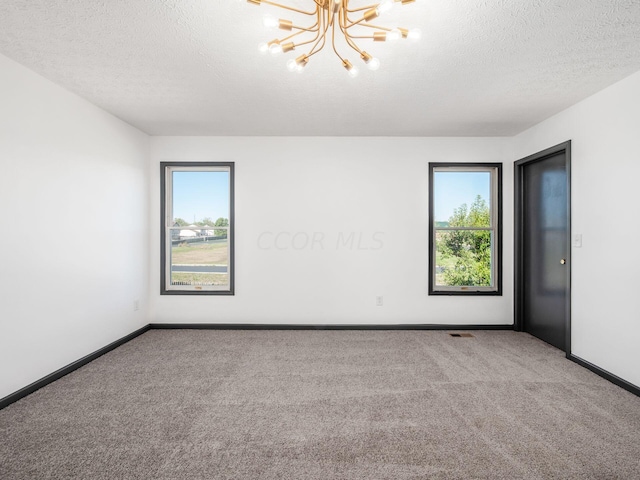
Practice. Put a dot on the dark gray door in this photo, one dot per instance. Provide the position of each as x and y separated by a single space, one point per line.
544 264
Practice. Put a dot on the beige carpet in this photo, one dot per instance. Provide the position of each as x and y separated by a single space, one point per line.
190 404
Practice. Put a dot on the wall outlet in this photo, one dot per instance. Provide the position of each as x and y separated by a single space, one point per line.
136 305
378 301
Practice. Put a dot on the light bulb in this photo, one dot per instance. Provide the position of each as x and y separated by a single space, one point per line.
275 49
300 63
263 47
353 72
270 22
294 66
373 64
394 35
384 6
415 34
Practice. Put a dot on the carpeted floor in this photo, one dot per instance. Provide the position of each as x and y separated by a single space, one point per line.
207 404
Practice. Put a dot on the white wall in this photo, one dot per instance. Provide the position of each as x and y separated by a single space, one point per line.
605 134
74 236
329 187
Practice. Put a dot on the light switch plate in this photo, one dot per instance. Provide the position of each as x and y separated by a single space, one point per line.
577 240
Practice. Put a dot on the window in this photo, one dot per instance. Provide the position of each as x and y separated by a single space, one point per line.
465 228
197 228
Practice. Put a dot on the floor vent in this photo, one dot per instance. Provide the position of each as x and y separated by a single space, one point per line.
459 335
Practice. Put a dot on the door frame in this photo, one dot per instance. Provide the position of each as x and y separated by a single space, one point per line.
519 279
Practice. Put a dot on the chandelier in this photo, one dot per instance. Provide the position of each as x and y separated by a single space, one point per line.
329 19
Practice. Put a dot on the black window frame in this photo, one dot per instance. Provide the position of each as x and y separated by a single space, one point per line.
496 289
164 257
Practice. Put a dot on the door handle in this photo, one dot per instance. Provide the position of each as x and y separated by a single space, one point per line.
563 261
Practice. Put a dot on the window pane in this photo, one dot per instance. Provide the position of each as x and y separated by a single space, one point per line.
463 258
200 261
200 198
462 199
554 185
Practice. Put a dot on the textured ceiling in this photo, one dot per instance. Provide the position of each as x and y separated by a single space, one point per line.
191 67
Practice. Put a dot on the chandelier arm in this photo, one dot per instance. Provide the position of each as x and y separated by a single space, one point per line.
303 29
323 38
315 50
348 21
353 45
290 36
386 29
317 30
333 43
348 37
357 22
367 25
360 9
287 7
377 27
